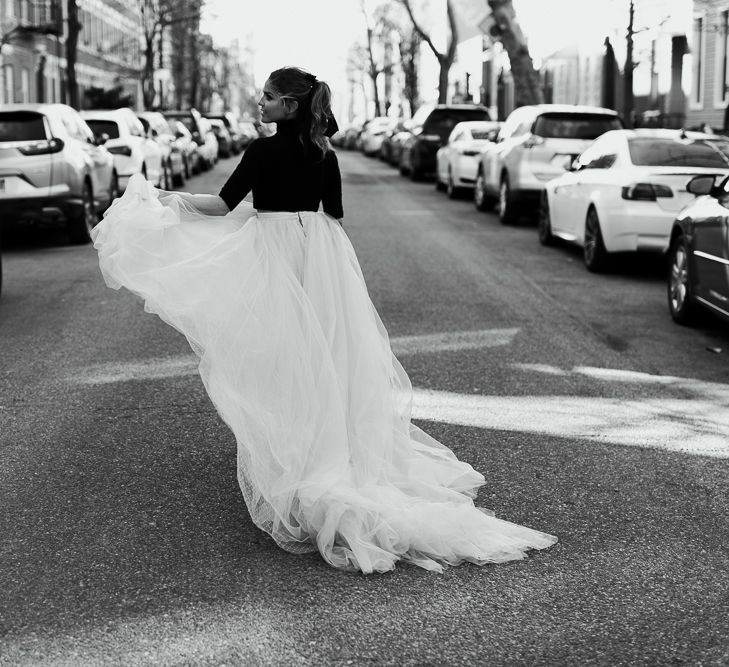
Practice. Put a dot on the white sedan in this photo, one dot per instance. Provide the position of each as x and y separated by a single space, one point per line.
624 191
134 152
457 160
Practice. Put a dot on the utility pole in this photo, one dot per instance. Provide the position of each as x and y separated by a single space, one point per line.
628 73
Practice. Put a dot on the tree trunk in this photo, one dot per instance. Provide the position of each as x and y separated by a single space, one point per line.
508 31
148 91
628 111
445 67
74 28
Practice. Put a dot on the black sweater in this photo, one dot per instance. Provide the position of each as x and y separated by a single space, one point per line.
285 177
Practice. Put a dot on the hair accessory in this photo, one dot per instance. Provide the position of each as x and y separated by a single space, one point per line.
311 78
332 127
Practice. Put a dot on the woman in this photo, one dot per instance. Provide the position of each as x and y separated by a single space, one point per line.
294 356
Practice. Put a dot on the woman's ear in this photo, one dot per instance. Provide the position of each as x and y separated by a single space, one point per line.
291 106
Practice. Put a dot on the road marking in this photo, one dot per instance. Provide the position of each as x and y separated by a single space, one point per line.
699 427
696 425
168 367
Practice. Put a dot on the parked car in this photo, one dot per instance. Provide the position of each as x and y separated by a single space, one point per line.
237 140
374 133
535 144
392 144
699 252
53 169
158 129
457 160
202 135
623 193
225 141
133 151
352 134
430 129
186 144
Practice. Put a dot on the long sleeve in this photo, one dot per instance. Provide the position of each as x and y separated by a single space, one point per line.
240 182
332 192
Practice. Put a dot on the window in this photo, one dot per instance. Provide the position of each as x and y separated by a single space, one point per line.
8 84
25 85
21 126
697 63
574 126
655 152
99 127
722 62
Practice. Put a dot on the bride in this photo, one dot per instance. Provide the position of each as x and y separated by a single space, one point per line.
295 357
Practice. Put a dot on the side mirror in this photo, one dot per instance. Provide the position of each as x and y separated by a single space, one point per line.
701 185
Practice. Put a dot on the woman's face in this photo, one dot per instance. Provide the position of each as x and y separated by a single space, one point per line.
272 105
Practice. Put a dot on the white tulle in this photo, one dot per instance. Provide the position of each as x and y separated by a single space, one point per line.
297 362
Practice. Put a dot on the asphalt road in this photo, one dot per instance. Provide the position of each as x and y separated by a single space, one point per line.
125 540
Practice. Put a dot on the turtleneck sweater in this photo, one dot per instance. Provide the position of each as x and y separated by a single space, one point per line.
285 177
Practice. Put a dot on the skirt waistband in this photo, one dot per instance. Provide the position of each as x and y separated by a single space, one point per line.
290 216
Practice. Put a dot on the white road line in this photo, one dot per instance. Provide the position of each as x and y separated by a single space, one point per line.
698 424
689 426
167 367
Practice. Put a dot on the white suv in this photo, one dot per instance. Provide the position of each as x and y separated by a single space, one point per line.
536 143
133 151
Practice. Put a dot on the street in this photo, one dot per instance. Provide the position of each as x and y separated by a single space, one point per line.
591 414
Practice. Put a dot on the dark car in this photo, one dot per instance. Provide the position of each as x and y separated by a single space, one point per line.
699 252
430 128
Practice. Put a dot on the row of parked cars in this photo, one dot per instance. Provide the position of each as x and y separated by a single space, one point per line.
62 166
582 178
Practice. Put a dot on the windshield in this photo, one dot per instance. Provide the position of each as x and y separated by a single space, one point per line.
666 152
99 127
21 126
442 121
574 125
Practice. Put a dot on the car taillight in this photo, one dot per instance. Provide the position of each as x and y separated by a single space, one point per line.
646 191
120 150
42 147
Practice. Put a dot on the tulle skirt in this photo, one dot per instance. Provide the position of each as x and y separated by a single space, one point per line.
298 364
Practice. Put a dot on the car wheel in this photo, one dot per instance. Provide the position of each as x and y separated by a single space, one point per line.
594 253
481 200
544 221
680 303
506 205
81 223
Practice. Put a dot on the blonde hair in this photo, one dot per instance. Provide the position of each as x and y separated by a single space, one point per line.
314 103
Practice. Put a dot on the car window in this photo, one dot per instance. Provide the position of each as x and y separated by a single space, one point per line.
21 126
99 127
574 126
442 121
664 152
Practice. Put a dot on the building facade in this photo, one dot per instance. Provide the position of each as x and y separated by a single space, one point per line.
707 71
33 54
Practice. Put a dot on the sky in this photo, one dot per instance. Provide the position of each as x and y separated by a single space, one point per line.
316 34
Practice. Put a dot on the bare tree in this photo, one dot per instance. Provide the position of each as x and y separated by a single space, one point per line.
155 16
373 70
445 58
409 51
507 30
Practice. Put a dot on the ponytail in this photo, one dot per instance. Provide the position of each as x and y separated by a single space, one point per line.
321 115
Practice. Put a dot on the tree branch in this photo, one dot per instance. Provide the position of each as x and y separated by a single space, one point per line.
423 35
